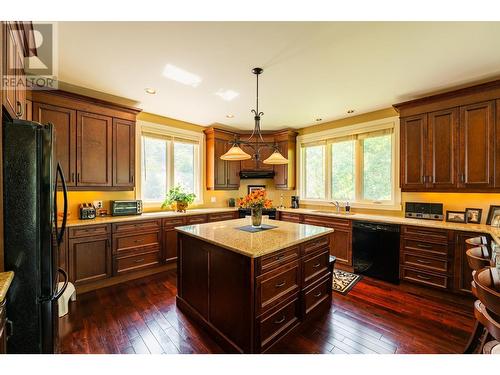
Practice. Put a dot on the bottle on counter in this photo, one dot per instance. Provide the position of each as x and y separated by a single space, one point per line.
347 208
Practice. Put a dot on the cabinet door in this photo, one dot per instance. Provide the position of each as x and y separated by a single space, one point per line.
341 245
281 170
170 245
463 273
442 157
94 150
220 168
233 175
10 62
89 259
64 121
123 153
249 164
477 146
21 84
413 152
265 152
497 145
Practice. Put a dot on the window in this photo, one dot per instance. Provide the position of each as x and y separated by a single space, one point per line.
167 160
356 164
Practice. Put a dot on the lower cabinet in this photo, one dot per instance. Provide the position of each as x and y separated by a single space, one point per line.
3 333
170 238
89 254
463 273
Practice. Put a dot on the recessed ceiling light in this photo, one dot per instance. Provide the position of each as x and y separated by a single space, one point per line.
319 119
350 111
227 95
150 90
230 116
180 75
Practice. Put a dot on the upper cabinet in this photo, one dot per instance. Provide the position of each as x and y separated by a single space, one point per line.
225 175
95 140
451 141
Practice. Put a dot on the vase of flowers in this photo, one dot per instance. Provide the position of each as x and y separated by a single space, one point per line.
256 201
178 199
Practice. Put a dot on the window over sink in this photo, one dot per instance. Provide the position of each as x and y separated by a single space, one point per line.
357 163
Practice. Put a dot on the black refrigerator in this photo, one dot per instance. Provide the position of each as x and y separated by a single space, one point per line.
31 234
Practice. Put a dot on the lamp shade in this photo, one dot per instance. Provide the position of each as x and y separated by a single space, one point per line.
276 158
235 153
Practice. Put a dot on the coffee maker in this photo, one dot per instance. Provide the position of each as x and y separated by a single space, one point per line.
295 201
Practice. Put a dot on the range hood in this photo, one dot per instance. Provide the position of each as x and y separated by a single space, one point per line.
256 174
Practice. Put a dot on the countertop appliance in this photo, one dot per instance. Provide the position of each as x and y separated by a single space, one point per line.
295 201
87 211
375 250
244 212
122 208
429 211
32 236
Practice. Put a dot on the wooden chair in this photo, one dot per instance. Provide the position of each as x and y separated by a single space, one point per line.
478 257
487 307
476 241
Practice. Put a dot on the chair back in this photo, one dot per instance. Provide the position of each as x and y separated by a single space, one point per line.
478 257
487 283
476 241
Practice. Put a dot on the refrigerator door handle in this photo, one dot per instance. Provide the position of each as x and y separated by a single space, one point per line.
65 285
60 234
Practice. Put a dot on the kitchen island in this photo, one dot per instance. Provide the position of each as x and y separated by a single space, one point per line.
249 290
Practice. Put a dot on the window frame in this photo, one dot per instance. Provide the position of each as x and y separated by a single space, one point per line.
346 131
169 134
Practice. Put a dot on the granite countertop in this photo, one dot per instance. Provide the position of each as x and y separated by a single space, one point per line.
479 228
5 281
147 215
227 235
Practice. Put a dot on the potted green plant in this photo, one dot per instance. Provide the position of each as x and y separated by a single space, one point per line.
179 197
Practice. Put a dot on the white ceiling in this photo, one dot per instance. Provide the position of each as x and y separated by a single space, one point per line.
311 69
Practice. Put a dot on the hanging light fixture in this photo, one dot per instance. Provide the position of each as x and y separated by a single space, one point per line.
235 153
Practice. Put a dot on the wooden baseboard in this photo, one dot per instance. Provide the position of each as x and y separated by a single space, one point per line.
80 289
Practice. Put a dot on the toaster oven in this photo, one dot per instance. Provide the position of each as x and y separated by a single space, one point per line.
129 207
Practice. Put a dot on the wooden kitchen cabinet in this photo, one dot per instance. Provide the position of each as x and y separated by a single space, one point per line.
3 330
413 139
284 174
170 238
90 257
123 153
463 272
220 174
64 121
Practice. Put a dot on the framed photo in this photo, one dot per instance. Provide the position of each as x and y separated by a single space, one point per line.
456 216
493 216
252 188
473 215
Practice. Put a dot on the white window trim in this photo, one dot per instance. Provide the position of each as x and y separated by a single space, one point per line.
168 131
386 123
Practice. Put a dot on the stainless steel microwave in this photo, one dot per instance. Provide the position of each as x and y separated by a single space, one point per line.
121 208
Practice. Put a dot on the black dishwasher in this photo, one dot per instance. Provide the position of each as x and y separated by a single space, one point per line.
375 250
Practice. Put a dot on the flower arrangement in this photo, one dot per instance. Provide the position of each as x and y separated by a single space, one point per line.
256 199
178 196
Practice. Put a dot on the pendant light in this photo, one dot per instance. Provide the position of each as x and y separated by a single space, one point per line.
235 153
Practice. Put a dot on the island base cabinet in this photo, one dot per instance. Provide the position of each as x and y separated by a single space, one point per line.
3 333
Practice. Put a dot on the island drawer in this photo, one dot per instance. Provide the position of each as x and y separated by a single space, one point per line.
135 242
89 230
277 285
223 216
136 262
271 261
316 244
314 267
273 325
196 219
424 277
317 294
288 216
420 246
425 262
149 225
173 222
429 234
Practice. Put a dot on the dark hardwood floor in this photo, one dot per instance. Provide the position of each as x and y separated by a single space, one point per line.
375 317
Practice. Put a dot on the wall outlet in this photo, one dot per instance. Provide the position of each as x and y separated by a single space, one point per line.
97 204
213 199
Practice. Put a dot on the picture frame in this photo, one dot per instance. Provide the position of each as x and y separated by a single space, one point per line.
493 216
456 216
473 215
252 188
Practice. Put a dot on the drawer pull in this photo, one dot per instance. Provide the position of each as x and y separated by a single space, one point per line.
423 261
139 260
424 246
278 257
279 285
318 294
423 277
280 320
138 241
316 265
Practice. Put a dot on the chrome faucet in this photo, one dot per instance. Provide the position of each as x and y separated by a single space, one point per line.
337 206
